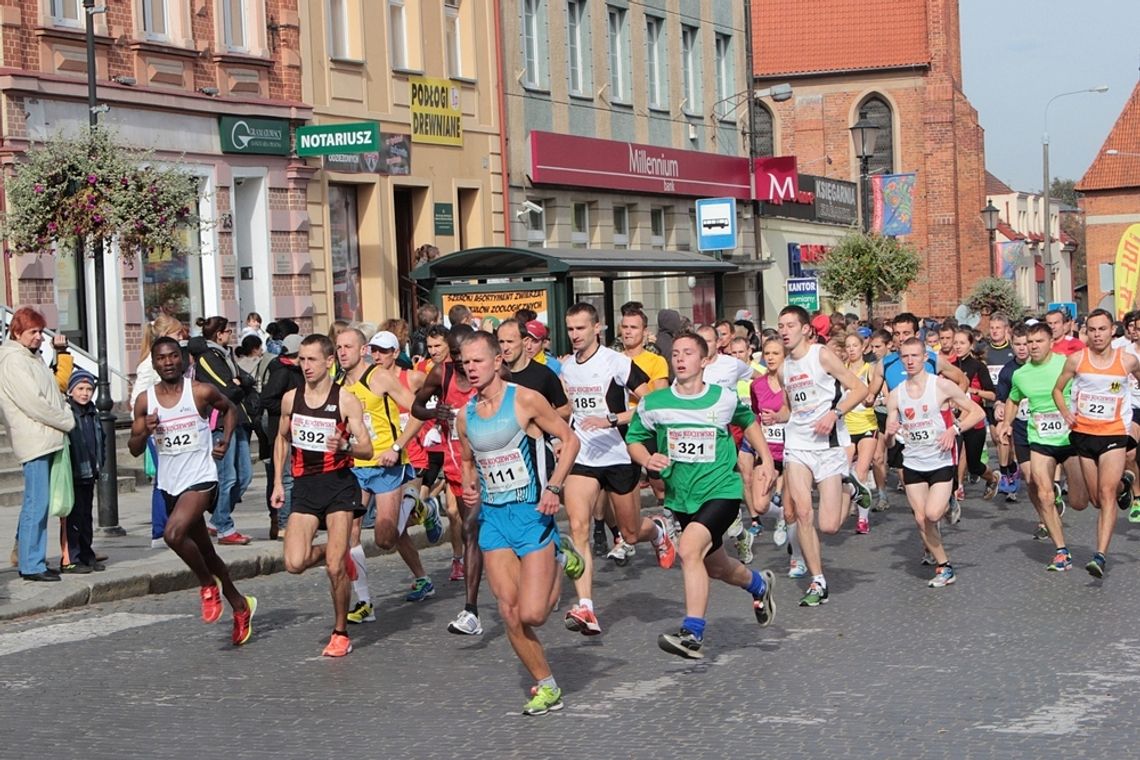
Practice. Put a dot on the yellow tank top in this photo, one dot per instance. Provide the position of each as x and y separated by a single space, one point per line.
861 419
381 418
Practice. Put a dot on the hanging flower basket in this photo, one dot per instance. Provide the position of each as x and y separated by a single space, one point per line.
72 190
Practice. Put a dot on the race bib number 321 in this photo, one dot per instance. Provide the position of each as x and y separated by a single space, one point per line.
694 445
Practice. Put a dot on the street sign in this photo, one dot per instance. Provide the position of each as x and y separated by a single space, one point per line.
803 292
328 139
444 219
716 224
1068 307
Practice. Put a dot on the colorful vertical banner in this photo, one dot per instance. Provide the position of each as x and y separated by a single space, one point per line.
1008 256
1127 270
892 203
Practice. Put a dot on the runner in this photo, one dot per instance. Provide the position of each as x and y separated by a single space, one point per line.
770 405
597 380
863 428
703 489
1061 326
997 352
498 429
176 413
1132 346
918 408
1097 419
815 438
325 427
1018 467
981 391
880 345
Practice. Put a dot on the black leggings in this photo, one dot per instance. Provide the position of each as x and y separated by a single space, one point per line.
974 442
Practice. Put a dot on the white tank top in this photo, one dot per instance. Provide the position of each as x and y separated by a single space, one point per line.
923 421
183 441
812 392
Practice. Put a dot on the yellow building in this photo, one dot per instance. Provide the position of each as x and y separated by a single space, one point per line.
426 75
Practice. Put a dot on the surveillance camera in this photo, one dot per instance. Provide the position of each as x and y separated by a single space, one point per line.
532 207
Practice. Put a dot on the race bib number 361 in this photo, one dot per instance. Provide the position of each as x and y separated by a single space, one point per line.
696 445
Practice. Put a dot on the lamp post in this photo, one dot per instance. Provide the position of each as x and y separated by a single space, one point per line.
109 472
1046 213
864 133
990 218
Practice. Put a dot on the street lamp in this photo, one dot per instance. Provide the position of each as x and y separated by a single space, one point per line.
864 133
1049 295
990 218
1115 152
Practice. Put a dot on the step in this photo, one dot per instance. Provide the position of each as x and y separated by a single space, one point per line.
13 496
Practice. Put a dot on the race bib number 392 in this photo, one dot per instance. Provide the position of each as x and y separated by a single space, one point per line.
312 433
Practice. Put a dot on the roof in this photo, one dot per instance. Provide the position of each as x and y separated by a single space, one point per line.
1009 232
995 186
476 263
807 36
1114 172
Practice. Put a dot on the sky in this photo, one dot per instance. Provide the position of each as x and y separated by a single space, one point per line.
1017 54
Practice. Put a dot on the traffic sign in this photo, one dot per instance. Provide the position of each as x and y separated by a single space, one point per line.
716 224
803 292
1068 307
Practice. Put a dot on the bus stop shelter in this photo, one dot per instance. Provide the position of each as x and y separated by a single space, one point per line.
497 281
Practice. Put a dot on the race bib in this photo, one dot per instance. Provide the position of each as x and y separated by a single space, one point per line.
504 471
177 436
774 433
312 433
1050 424
919 432
1023 410
995 371
1098 406
588 404
803 392
694 445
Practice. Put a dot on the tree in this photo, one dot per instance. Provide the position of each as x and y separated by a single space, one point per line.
1064 190
868 267
994 294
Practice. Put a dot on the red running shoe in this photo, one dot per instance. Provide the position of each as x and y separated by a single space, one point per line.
243 621
234 539
211 603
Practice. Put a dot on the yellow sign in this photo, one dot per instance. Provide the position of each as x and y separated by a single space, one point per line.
1127 270
498 304
437 118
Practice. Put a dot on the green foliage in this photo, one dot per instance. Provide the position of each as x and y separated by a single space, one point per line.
869 267
994 294
1064 190
72 189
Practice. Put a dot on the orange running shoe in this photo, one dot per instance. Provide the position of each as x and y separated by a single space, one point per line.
243 621
211 602
339 645
666 550
582 620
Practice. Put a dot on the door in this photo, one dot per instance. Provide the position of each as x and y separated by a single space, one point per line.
251 250
344 250
403 211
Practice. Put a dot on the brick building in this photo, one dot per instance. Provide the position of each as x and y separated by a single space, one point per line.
212 85
900 62
1111 188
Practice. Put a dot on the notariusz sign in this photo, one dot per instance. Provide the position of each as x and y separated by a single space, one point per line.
328 139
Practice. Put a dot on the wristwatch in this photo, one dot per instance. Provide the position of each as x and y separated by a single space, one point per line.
556 490
613 419
396 447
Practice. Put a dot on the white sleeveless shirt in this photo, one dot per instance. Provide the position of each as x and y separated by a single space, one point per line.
922 422
183 441
812 393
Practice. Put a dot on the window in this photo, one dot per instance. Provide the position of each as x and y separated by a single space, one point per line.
66 11
764 131
619 68
580 226
576 53
536 225
724 76
452 38
532 42
621 227
233 24
172 283
398 34
344 247
339 29
655 73
690 69
154 18
879 113
657 229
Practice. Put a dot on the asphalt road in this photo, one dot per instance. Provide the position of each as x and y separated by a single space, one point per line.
1012 661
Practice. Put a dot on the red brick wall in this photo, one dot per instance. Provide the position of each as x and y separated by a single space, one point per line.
1102 239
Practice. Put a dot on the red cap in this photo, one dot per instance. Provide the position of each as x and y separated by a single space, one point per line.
536 330
822 325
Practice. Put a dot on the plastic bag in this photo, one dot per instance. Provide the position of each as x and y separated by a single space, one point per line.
61 488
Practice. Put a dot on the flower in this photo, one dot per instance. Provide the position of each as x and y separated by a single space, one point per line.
92 179
38 189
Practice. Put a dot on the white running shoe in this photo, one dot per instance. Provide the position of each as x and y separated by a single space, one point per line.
744 546
622 552
797 569
465 623
780 534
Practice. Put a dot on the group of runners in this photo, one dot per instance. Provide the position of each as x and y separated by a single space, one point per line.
804 426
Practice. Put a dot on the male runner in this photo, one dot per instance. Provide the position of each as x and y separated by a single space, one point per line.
176 413
918 409
1016 467
500 428
815 438
317 421
725 331
1061 326
689 423
597 380
997 352
1099 419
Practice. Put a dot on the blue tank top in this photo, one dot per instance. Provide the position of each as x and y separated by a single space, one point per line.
504 454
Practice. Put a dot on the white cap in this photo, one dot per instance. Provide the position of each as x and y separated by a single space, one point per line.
385 340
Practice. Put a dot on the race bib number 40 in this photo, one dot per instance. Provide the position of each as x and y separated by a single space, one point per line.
177 436
312 433
505 471
694 445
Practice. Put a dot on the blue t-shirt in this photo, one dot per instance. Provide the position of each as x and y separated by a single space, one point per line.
894 373
1004 384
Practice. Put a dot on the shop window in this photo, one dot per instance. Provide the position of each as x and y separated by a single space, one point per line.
344 250
172 282
69 284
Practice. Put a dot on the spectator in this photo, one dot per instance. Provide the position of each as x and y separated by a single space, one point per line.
248 355
38 421
535 340
87 442
281 376
668 327
253 327
426 316
458 315
399 328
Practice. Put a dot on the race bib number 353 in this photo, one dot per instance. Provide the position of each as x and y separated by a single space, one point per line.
695 445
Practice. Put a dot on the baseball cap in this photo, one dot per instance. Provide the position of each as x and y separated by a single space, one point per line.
385 341
822 325
291 345
864 332
536 330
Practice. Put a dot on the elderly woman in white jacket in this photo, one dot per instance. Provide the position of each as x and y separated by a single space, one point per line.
38 421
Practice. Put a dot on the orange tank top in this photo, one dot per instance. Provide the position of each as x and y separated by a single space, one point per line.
1100 395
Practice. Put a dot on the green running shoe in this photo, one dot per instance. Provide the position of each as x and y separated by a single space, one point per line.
815 596
575 565
1134 512
1095 567
545 700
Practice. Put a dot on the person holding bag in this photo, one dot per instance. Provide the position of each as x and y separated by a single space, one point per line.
86 443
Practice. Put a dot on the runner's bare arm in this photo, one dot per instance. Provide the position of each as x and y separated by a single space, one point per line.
208 397
142 427
281 450
857 389
1067 373
892 428
971 412
874 383
353 415
765 472
952 373
382 383
546 418
432 385
470 476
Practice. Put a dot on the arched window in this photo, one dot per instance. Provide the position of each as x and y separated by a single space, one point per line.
879 113
765 129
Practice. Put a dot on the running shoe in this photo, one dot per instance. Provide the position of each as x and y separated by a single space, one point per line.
1124 498
1134 512
433 525
862 495
234 539
1041 533
862 526
744 546
457 573
666 550
1059 499
600 542
621 553
1062 561
211 602
928 559
736 528
960 494
756 527
797 569
763 606
682 643
944 577
243 621
882 505
1011 498
466 624
780 534
954 513
1095 567
339 645
1003 485
583 621
363 612
575 565
991 490
900 487
421 589
671 528
815 596
545 700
